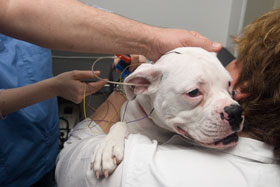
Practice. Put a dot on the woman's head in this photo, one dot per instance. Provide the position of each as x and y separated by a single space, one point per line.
258 64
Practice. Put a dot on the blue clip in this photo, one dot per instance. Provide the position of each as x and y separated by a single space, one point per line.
122 65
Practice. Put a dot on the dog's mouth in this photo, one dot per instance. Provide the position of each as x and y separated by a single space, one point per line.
227 140
182 131
223 143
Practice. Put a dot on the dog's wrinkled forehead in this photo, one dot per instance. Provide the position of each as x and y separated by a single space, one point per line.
189 55
178 70
191 58
188 67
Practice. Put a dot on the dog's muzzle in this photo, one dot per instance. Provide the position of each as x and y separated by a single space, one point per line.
233 114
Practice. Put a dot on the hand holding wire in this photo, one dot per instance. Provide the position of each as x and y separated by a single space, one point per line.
69 86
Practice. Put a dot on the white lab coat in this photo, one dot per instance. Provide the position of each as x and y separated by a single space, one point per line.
174 164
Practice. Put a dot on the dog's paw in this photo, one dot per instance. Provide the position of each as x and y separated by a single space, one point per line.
107 156
110 152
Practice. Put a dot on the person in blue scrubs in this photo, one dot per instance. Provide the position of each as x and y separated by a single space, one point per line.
29 136
28 108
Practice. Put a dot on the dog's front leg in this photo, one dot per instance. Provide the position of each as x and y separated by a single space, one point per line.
110 152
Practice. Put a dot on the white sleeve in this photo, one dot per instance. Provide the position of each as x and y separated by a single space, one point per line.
73 162
75 157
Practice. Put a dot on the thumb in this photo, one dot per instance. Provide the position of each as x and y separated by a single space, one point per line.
205 43
95 86
78 75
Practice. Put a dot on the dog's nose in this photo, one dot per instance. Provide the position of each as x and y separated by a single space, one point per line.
233 116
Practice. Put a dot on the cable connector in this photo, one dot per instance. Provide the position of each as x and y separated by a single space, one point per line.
123 64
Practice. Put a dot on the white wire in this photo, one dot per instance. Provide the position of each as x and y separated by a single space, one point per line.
113 82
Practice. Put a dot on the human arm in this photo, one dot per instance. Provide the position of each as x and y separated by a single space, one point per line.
74 26
109 111
67 85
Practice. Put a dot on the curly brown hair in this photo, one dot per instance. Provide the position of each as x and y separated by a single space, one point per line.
259 57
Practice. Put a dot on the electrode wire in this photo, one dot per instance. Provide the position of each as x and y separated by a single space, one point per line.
108 81
142 118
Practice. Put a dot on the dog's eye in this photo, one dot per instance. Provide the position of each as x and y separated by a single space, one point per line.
229 83
194 93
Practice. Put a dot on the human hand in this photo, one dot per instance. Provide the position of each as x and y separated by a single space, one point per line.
167 39
69 86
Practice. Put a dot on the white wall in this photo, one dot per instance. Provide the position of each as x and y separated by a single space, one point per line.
256 8
276 4
215 19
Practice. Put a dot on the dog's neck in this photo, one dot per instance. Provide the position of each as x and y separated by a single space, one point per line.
145 105
143 110
145 120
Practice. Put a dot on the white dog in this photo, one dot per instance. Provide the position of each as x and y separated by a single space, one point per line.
187 91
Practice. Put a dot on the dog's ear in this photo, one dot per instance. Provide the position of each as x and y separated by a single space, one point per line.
146 79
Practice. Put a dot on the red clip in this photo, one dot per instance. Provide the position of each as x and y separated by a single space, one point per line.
124 58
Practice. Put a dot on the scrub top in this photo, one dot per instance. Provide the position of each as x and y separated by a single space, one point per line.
28 137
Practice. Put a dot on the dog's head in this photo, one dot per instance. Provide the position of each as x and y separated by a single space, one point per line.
190 93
